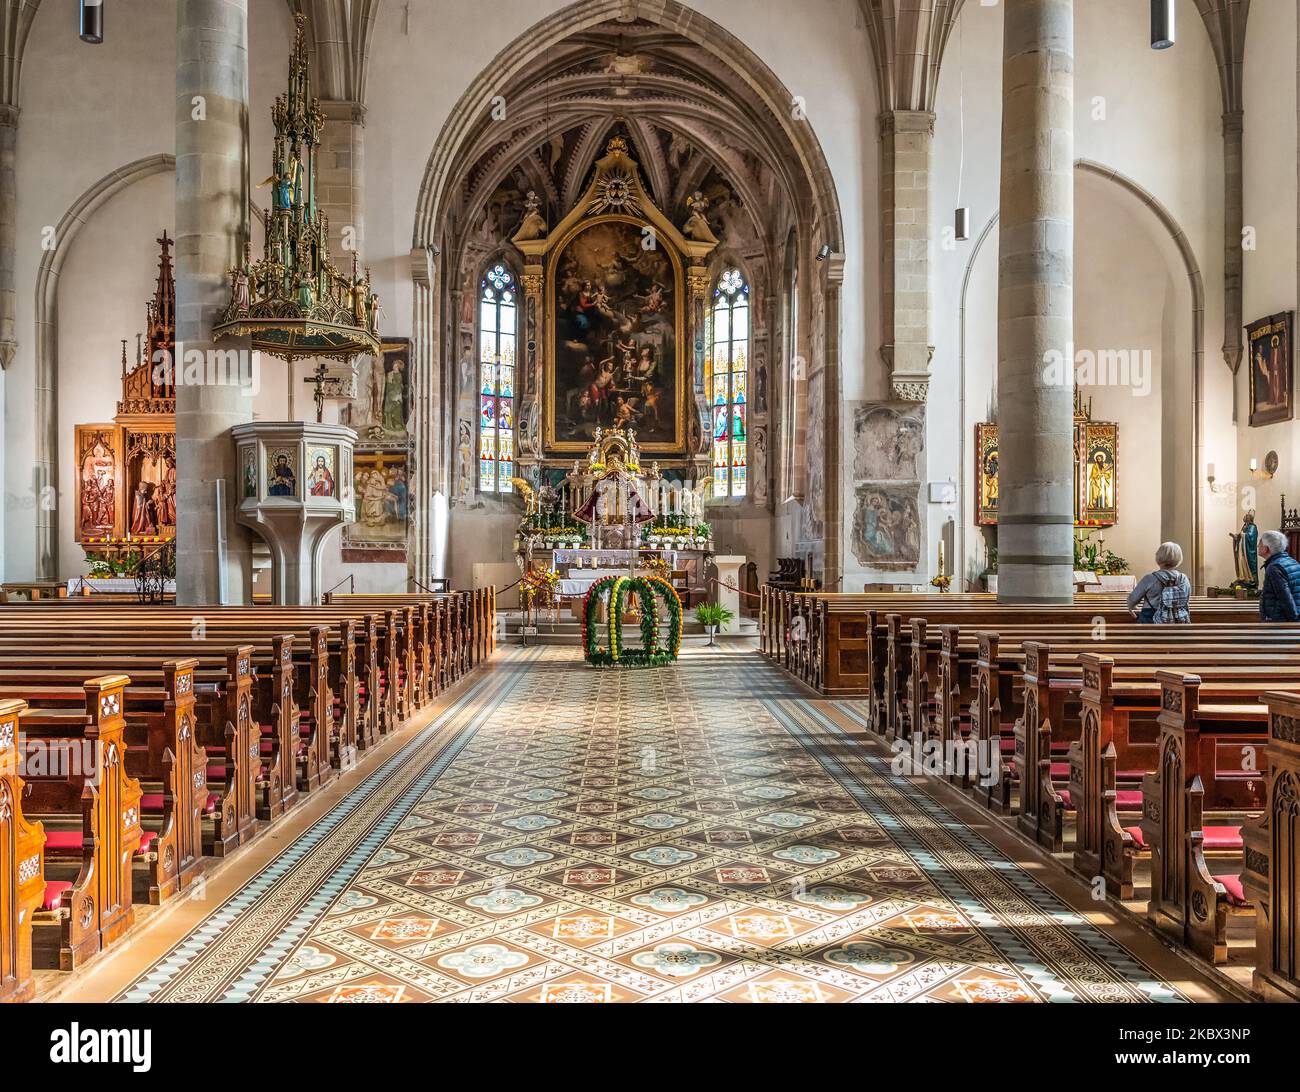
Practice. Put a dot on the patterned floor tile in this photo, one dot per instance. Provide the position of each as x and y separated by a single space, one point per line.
698 832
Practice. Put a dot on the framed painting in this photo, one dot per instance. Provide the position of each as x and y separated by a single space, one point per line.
615 331
1272 369
986 474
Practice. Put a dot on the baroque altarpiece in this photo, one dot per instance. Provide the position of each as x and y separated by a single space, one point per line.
126 469
614 305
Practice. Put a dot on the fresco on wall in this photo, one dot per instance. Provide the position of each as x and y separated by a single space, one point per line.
886 532
380 479
614 359
889 441
382 407
815 457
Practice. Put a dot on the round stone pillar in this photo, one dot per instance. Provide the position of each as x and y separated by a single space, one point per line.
1036 305
213 388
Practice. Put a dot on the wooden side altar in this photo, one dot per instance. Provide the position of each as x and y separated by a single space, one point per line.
126 469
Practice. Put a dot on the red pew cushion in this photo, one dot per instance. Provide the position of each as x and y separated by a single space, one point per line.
216 773
1222 837
1138 840
63 841
1232 885
147 840
212 804
53 893
151 803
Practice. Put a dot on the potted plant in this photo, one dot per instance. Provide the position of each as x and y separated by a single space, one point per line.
711 616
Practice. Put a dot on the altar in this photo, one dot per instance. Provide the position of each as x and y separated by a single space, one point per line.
609 516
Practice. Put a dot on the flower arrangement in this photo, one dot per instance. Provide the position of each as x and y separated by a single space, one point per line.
942 582
537 587
656 566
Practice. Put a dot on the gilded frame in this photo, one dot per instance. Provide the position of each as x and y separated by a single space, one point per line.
551 446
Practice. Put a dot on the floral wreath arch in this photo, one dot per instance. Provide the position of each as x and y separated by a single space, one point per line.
650 592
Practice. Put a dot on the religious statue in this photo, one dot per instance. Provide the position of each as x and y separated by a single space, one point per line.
243 277
534 223
167 496
144 512
697 226
1244 545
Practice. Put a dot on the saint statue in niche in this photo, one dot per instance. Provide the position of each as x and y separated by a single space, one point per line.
144 510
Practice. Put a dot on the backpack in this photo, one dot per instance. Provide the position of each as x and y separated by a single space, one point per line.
1172 607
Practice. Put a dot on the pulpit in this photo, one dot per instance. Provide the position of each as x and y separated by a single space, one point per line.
295 486
727 589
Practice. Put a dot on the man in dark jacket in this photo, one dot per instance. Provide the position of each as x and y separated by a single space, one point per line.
1279 592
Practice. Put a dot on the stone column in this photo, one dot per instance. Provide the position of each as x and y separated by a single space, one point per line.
8 230
211 223
1035 304
339 183
906 137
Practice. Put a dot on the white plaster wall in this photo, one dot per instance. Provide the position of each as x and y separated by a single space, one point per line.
1269 273
1153 117
87 111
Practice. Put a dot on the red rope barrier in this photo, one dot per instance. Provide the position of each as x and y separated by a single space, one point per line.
733 587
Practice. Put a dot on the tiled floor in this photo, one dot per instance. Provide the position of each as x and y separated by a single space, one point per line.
697 832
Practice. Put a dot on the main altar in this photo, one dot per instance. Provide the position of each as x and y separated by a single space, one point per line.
611 516
126 468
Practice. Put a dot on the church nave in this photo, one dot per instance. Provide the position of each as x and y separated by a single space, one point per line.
695 832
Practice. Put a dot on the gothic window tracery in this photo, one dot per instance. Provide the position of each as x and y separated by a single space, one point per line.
728 382
498 326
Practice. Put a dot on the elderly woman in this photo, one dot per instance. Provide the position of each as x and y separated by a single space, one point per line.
1162 596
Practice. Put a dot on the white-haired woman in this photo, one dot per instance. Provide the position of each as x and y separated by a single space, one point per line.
1163 596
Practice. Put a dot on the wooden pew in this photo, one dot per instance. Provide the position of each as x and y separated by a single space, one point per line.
1189 900
91 818
1271 872
22 865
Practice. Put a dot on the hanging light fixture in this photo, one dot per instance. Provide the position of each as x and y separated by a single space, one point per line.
92 21
961 219
1162 24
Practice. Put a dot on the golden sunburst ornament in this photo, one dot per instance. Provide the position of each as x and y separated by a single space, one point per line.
615 192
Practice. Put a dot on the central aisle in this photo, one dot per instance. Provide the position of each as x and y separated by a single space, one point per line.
699 832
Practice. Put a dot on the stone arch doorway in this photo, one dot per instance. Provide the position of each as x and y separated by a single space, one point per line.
663 77
1186 521
47 342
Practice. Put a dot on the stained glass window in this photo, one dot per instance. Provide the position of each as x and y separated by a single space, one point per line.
496 369
728 371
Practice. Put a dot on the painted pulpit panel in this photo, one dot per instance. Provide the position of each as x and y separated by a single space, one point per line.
615 318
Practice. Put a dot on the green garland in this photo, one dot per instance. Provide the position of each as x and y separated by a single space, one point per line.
645 589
